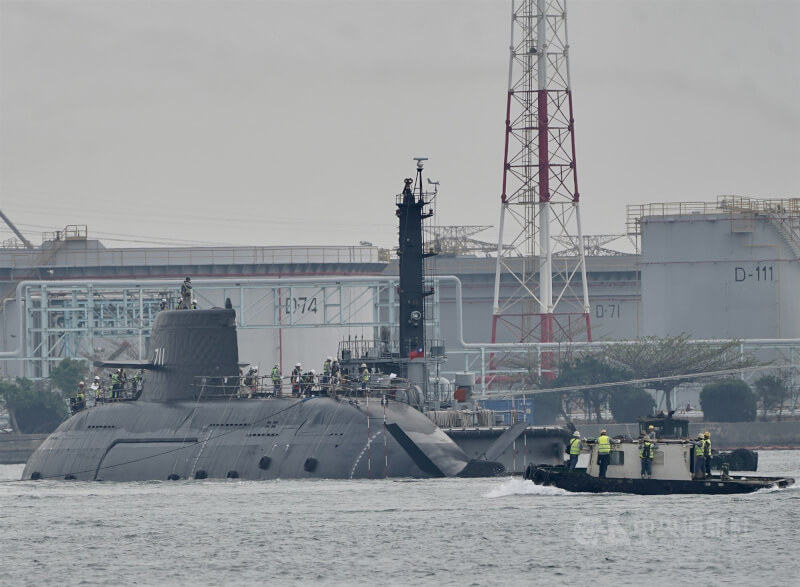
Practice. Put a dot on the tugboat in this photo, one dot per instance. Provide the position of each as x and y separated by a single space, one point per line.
672 472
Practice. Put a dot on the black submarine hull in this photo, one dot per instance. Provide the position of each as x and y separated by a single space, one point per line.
192 423
318 437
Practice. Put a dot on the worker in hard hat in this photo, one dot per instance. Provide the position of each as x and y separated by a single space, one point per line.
363 376
707 452
604 452
164 303
699 457
651 432
297 375
574 449
194 304
646 454
95 390
276 379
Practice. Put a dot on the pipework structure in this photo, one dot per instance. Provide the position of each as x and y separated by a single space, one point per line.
539 213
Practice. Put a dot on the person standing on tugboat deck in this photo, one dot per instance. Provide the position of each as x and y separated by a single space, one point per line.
574 449
603 453
707 452
646 456
699 458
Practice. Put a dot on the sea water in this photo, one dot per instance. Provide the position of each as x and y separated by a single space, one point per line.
501 531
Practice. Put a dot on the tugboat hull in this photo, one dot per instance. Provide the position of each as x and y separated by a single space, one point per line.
579 481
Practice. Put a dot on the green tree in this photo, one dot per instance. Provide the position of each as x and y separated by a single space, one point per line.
67 374
653 357
546 407
32 411
728 401
629 403
589 370
771 391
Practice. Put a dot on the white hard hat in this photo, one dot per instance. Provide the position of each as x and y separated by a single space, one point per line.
96 377
164 300
363 365
330 358
313 372
576 434
255 368
81 383
194 301
276 364
297 364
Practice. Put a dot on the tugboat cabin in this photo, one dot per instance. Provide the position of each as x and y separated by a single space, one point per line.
672 460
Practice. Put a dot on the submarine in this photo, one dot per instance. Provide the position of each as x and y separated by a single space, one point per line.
192 422
191 419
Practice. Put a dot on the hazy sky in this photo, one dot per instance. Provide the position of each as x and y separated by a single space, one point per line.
294 122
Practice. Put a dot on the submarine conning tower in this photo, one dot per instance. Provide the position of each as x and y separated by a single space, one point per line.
411 254
192 353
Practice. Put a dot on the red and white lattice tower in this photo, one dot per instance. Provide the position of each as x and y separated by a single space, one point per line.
541 268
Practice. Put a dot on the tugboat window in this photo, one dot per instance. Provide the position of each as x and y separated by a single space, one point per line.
617 457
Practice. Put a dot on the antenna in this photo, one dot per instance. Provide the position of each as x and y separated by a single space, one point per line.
539 208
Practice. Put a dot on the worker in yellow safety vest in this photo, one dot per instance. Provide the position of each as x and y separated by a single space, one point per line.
699 457
574 449
707 452
646 454
603 453
364 376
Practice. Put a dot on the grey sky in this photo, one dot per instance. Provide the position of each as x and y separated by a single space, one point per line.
294 123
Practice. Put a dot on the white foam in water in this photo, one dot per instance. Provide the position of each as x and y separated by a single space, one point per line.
523 487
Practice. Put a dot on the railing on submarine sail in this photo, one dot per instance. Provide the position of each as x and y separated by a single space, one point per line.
262 386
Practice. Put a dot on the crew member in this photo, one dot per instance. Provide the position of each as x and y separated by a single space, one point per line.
574 449
194 304
646 454
163 303
326 371
363 375
335 371
116 384
80 398
651 432
309 378
186 293
96 389
603 453
136 382
699 458
707 452
297 375
276 380
251 380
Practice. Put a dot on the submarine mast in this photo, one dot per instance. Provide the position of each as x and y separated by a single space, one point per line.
411 211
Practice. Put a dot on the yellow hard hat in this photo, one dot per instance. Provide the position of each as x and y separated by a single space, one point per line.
602 432
707 434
